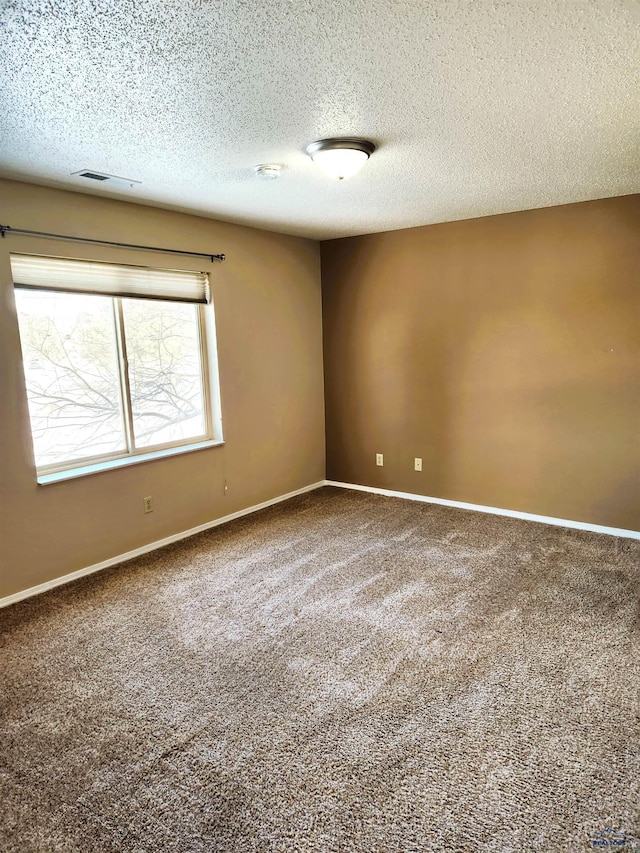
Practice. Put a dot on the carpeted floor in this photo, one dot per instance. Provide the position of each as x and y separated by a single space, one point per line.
343 672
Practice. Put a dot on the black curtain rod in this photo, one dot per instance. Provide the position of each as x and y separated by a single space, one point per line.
7 229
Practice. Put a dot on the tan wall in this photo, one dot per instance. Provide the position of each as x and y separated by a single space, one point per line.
268 316
504 351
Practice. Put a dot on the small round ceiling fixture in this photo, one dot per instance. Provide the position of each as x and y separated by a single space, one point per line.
340 157
268 171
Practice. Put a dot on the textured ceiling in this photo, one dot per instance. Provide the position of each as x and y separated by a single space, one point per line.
478 106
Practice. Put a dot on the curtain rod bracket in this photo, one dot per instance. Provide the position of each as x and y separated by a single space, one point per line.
7 229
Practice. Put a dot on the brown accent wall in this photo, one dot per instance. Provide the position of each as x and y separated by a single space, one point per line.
269 327
504 351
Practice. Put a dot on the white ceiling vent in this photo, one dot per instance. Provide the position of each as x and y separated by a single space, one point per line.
103 178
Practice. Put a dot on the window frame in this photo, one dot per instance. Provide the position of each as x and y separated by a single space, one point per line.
211 410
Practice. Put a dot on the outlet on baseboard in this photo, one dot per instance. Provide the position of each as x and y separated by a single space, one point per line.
417 463
379 459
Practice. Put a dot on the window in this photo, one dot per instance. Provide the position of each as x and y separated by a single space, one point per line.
116 360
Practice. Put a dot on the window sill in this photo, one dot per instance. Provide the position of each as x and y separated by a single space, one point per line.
124 462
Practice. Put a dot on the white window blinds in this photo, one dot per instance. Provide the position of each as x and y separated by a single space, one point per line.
30 271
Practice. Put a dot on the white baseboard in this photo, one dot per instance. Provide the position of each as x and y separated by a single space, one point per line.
152 546
511 513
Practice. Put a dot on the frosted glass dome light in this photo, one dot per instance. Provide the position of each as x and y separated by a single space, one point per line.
340 158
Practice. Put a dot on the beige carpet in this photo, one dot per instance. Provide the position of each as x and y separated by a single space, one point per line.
343 672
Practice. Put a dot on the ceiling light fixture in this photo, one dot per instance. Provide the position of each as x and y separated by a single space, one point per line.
268 171
340 158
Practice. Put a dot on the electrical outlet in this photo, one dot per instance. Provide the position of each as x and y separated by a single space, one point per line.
148 504
379 459
417 464
226 488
